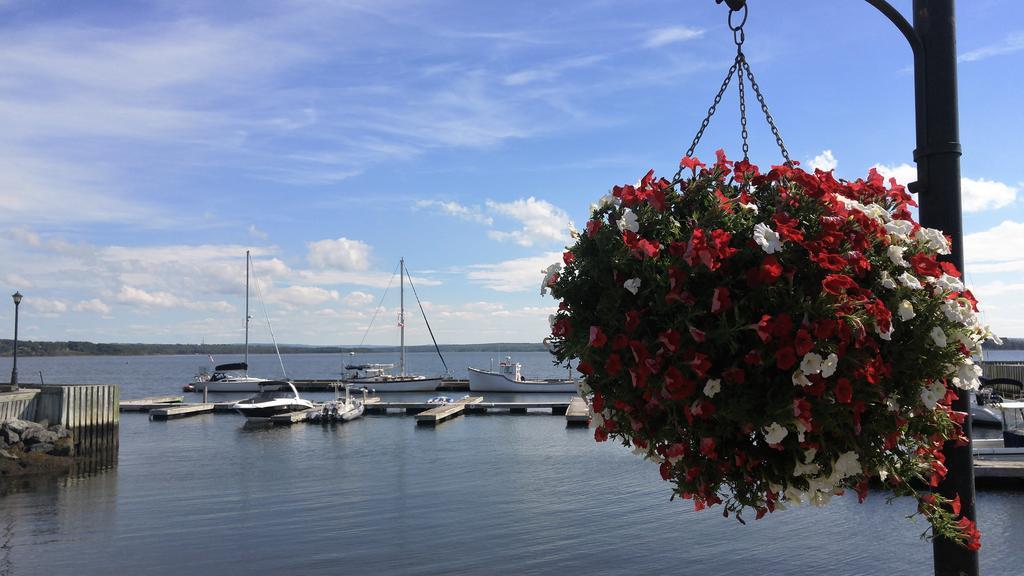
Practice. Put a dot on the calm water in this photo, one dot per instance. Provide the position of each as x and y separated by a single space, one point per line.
477 495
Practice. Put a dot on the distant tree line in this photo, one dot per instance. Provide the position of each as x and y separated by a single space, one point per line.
75 348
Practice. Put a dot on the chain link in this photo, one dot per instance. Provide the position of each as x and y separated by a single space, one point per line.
740 66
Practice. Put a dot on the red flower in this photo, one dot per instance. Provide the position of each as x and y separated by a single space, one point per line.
632 320
585 368
592 227
598 402
785 357
838 284
771 270
691 162
707 448
568 257
670 340
613 365
597 337
844 391
562 327
925 265
720 301
600 434
803 343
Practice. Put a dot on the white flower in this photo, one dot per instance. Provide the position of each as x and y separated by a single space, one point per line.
846 465
767 238
551 320
948 282
887 335
931 394
886 281
935 239
828 366
549 273
628 221
582 388
713 386
750 207
633 285
811 364
573 232
802 469
967 376
896 255
774 433
908 280
906 310
799 379
900 228
938 336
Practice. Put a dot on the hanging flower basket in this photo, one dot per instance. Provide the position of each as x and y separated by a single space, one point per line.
771 339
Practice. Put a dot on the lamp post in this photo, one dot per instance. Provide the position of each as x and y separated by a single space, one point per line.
932 38
14 370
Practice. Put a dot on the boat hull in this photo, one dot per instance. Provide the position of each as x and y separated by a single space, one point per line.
482 381
396 384
266 411
231 385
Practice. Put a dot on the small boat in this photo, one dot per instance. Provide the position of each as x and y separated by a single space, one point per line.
440 400
275 397
379 376
509 378
339 409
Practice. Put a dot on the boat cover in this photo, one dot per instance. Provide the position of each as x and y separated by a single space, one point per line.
229 367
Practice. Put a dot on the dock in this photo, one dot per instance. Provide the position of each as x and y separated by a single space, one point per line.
435 416
180 411
149 403
578 413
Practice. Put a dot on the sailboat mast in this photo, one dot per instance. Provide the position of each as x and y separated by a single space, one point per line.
246 312
401 313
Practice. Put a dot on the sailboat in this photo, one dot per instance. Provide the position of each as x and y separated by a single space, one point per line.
233 377
379 376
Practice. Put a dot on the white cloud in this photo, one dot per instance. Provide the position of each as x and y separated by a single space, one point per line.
358 299
1012 43
975 195
672 35
469 213
95 305
981 194
46 306
541 221
301 295
137 297
518 275
17 280
341 254
824 161
1003 243
257 233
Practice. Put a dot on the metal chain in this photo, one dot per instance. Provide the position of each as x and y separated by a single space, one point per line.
741 65
711 112
743 108
767 114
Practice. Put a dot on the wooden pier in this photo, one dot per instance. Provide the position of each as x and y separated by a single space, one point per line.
149 403
435 416
180 411
578 414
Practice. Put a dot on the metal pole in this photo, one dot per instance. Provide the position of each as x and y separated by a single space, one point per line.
246 313
401 313
938 159
14 369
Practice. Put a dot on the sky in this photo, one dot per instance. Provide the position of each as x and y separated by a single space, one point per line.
145 146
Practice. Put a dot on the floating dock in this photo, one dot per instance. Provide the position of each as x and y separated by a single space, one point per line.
578 413
438 414
180 411
149 403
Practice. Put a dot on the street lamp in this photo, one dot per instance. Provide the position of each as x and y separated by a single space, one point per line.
14 371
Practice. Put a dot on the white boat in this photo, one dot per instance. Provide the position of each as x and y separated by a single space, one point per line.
509 378
275 397
339 409
379 377
230 377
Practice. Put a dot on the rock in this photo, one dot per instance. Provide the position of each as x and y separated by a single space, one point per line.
20 426
38 436
9 436
60 430
43 447
5 455
65 446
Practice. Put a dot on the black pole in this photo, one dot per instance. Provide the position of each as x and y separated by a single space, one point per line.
938 170
14 369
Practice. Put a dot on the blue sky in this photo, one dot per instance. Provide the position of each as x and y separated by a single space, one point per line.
146 146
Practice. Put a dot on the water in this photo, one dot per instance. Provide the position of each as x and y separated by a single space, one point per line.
477 495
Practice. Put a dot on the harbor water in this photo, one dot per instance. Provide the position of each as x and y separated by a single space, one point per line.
496 494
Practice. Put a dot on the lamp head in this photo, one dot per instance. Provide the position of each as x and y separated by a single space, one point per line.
17 298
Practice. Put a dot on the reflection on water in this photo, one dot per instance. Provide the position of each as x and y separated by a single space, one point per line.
476 495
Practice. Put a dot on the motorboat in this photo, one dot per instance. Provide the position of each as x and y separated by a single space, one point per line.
509 378
275 397
379 377
340 409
